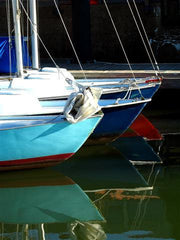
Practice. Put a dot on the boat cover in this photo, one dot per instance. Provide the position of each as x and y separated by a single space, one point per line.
7 49
83 104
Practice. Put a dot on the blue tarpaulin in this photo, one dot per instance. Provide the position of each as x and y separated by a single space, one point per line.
8 55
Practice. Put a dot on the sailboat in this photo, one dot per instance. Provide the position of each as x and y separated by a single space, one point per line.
36 136
121 102
50 85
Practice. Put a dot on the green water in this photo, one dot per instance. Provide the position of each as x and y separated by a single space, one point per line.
116 199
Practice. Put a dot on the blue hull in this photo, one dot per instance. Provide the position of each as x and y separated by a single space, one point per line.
50 142
116 120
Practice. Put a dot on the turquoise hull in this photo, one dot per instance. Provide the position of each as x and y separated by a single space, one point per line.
49 142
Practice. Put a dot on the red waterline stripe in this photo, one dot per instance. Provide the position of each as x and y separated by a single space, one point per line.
52 158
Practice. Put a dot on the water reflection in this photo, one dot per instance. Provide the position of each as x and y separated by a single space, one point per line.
138 150
98 194
102 167
170 149
29 199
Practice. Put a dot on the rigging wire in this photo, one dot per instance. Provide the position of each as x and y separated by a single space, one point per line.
140 211
142 35
140 19
103 196
119 39
21 22
122 46
2 231
27 34
17 231
23 31
9 36
153 184
69 81
52 59
72 45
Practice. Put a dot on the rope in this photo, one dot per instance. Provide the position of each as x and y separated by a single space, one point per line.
145 33
72 45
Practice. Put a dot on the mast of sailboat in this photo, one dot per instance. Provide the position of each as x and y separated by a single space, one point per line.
34 34
18 42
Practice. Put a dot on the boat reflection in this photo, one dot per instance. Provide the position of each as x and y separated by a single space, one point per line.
96 195
137 150
102 167
126 196
32 200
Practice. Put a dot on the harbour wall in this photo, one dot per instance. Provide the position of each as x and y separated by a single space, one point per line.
105 45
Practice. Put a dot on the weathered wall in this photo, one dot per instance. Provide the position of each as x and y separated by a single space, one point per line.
105 44
104 39
52 31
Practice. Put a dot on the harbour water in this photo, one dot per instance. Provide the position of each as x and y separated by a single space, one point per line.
99 193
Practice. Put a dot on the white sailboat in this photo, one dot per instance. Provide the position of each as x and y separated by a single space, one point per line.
32 135
123 101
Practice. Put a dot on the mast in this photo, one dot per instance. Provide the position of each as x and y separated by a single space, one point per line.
18 43
34 34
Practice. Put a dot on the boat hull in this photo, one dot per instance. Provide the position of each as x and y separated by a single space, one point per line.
118 116
44 143
116 120
146 92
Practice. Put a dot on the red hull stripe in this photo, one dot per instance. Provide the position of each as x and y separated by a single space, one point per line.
153 80
53 158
